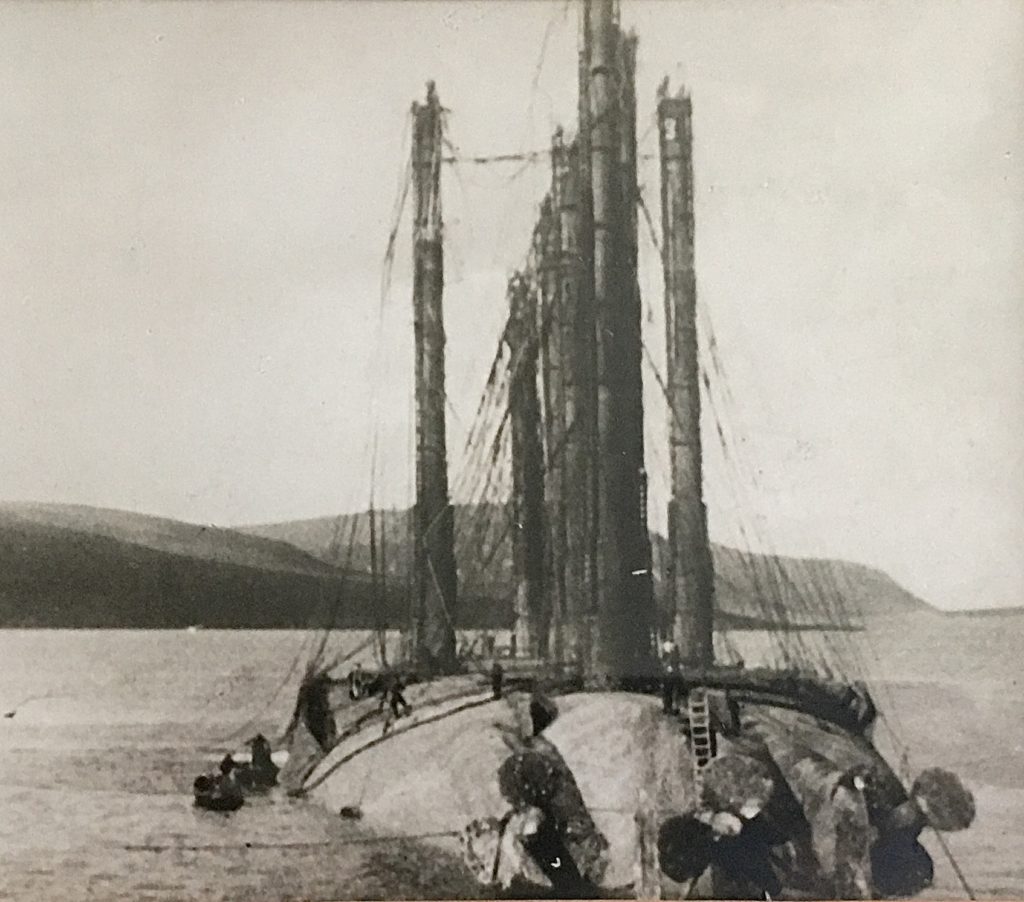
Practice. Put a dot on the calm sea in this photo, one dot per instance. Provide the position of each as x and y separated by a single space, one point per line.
111 727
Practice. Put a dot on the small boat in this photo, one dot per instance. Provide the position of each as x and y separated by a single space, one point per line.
254 771
279 757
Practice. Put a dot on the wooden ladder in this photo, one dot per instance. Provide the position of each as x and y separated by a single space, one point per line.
698 714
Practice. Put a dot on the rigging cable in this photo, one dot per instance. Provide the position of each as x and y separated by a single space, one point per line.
749 560
777 606
770 612
829 597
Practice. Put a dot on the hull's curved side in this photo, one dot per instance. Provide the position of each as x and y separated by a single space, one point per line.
437 775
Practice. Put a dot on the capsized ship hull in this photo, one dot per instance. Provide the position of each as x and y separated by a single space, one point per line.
604 799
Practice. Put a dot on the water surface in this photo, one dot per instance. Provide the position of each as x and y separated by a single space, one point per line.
95 798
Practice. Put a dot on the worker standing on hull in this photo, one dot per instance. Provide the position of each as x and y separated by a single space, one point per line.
356 683
391 695
671 666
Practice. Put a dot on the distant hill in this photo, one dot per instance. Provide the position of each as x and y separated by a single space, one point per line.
71 566
805 592
1012 612
76 566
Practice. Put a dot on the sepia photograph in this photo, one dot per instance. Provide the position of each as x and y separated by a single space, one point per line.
511 449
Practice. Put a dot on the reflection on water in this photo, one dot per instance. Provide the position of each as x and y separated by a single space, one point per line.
110 728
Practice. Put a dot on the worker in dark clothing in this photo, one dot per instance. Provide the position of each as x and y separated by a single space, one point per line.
391 694
356 683
228 779
263 770
668 695
497 679
399 706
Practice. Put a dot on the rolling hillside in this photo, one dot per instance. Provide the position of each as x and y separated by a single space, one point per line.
840 593
75 566
65 566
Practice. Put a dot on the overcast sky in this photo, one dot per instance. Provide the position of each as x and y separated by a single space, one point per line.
196 199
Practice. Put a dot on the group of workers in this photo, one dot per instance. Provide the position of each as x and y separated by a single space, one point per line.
225 789
390 685
315 707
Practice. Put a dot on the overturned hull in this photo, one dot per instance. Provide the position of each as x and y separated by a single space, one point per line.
598 793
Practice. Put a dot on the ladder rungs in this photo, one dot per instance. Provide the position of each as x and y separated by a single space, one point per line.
697 724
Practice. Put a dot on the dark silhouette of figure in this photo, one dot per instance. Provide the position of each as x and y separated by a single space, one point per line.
315 704
391 694
263 771
221 791
497 680
356 683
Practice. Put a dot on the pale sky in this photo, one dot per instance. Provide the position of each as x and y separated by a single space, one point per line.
196 199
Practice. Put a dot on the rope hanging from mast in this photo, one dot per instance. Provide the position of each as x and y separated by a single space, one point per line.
484 474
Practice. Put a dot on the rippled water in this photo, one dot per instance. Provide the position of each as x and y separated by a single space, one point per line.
95 788
95 780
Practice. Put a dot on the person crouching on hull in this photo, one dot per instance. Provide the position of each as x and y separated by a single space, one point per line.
391 695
